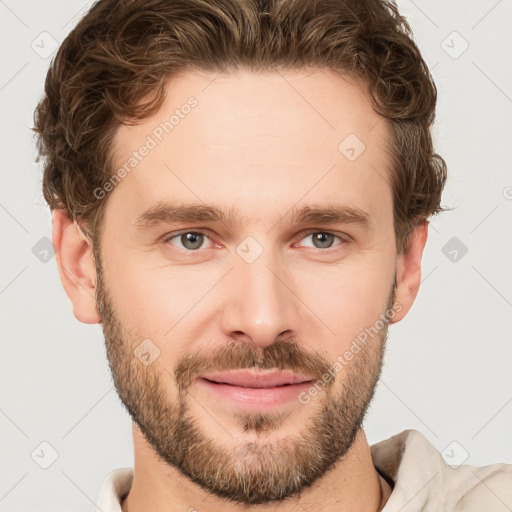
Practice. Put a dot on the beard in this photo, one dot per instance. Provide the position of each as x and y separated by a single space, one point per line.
255 472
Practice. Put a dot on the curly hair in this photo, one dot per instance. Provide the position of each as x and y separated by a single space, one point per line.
113 66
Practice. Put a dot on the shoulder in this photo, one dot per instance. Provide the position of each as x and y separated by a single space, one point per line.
422 480
480 488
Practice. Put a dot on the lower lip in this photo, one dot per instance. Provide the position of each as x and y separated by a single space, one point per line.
257 398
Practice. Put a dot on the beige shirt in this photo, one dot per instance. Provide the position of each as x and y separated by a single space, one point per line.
421 480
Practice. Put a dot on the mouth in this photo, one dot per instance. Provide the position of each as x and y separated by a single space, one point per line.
259 379
256 390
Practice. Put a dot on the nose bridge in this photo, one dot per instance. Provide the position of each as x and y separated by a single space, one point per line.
259 306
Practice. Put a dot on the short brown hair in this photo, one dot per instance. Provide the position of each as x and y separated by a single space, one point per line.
113 66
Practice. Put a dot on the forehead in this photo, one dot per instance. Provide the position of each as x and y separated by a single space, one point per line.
253 139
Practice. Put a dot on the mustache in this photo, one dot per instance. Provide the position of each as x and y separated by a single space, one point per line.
281 355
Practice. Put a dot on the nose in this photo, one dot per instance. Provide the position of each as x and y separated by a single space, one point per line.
259 302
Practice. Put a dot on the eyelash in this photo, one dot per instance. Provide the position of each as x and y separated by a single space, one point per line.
343 239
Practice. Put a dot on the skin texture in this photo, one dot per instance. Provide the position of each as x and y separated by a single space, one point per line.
262 145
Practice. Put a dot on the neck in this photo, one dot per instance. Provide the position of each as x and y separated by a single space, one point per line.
352 484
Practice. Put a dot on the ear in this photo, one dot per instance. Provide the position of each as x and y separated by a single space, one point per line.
73 252
408 270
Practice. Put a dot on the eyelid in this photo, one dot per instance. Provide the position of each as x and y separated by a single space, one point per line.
166 239
342 236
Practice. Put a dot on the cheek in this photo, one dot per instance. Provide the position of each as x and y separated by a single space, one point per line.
157 300
176 304
345 299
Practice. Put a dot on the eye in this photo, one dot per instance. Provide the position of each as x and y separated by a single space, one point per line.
192 241
323 239
189 240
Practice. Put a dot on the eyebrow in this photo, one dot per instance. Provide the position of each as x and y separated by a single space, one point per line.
165 212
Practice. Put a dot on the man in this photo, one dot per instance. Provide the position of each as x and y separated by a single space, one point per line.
241 193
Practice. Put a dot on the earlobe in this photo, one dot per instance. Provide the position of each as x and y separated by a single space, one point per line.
74 256
408 270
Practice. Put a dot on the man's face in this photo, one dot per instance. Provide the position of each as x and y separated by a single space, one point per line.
258 289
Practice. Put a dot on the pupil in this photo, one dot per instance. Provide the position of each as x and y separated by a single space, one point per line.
320 237
194 240
191 240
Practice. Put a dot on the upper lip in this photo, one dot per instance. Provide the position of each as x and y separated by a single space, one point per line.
258 379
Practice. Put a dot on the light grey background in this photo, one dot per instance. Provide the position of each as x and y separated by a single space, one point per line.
448 364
